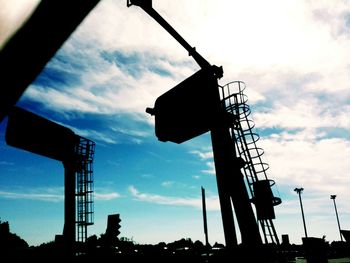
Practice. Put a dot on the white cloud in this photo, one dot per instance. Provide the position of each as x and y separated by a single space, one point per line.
309 111
319 166
211 168
271 48
95 135
50 194
137 133
106 196
39 194
203 155
106 89
207 156
212 202
61 101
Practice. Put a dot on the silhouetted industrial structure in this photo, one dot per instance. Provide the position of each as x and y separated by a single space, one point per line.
33 133
193 107
254 168
22 59
196 106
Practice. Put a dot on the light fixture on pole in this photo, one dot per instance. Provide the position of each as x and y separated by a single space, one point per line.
299 191
336 213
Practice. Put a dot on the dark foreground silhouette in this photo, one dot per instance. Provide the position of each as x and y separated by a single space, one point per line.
14 249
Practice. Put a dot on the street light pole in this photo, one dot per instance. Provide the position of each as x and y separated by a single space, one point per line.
336 213
299 191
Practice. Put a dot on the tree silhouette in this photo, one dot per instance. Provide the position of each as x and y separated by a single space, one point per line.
8 240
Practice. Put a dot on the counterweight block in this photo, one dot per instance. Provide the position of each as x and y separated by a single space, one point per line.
189 109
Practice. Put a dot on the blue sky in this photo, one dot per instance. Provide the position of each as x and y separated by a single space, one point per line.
293 57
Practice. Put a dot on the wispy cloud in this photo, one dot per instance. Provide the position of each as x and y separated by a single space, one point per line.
50 194
211 168
95 135
106 196
308 112
318 165
206 157
40 194
203 155
212 202
107 89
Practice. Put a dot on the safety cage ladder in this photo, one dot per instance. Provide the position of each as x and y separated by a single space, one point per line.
245 139
84 187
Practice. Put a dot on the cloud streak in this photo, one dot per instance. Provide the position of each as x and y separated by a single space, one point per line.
53 194
40 194
212 202
106 196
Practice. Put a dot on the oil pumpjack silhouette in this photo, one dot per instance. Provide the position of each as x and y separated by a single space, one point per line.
198 105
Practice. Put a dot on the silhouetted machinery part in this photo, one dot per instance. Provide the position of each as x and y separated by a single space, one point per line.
193 108
28 131
26 53
255 169
346 235
189 109
264 200
35 134
112 230
24 56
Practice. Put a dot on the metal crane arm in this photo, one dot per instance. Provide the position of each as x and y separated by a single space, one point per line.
146 5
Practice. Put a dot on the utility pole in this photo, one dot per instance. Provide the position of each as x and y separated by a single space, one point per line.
299 191
336 213
205 218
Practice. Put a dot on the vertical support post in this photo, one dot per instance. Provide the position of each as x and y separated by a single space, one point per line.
204 208
299 191
336 213
69 206
231 185
224 197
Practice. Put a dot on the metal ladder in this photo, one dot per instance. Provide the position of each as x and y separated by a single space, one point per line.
84 152
235 103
